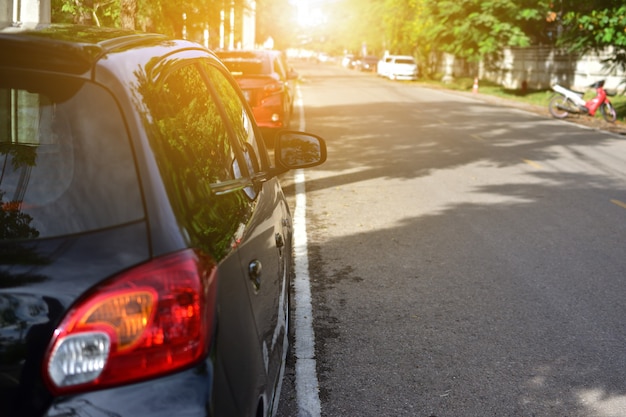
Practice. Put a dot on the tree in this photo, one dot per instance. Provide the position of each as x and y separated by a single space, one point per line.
596 25
469 29
89 12
127 14
403 30
268 15
476 29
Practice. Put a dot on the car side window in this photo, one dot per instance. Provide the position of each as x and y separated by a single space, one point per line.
193 134
196 157
280 69
240 120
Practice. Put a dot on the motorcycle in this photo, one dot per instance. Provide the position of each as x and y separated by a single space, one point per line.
568 102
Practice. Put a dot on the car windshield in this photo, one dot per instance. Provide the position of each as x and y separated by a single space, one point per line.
66 161
405 61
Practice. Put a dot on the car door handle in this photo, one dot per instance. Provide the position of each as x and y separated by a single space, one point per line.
280 241
254 273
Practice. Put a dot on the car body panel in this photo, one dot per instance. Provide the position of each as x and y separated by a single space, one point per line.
37 292
185 392
119 170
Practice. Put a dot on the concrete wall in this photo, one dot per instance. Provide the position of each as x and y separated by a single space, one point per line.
537 68
541 67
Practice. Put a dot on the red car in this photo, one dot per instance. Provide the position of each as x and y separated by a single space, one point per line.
267 83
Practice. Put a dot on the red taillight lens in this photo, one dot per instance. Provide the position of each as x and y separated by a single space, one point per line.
272 88
148 321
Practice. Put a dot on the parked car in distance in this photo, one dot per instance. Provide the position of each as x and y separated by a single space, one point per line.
268 83
397 67
348 61
145 241
367 63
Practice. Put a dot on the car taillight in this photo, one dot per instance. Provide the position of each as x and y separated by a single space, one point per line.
148 321
273 88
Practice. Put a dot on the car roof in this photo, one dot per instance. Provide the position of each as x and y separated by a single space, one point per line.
247 53
67 48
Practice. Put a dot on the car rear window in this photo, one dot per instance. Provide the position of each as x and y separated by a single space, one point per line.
245 63
405 61
65 157
247 67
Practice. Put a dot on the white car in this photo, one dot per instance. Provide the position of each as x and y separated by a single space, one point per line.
397 67
348 61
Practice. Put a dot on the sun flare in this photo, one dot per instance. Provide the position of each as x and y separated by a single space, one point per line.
309 12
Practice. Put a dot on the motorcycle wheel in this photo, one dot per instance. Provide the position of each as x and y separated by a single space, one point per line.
557 106
608 112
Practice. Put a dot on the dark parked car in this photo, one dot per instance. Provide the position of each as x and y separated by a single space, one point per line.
145 242
267 82
367 63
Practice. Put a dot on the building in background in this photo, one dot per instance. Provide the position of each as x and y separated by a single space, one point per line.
237 26
24 12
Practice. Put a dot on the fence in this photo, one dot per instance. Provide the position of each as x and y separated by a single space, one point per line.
538 68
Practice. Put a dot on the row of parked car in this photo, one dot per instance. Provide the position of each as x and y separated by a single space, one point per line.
394 67
145 241
267 82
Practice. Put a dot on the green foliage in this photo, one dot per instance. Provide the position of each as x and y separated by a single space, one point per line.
268 13
101 13
474 29
597 28
470 29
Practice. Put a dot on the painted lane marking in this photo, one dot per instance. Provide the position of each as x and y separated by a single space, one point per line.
619 203
532 163
307 385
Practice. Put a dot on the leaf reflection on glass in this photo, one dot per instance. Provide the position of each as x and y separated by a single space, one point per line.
13 223
188 136
297 149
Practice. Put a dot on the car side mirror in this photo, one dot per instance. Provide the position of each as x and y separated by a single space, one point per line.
294 150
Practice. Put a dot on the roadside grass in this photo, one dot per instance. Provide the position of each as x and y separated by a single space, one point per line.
535 97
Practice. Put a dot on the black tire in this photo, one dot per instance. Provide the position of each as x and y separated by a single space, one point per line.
557 106
608 112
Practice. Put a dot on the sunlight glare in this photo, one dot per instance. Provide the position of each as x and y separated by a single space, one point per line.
309 13
603 404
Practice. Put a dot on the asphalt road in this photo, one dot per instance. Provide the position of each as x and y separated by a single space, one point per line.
467 259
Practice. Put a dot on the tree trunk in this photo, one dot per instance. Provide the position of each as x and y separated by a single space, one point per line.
127 14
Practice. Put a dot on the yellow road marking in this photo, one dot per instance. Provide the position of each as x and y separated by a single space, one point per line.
532 163
619 203
477 137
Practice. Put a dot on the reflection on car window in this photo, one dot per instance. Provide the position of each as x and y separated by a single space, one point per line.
241 122
66 161
192 129
194 151
238 117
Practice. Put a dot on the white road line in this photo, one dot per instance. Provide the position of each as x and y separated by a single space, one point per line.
307 387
